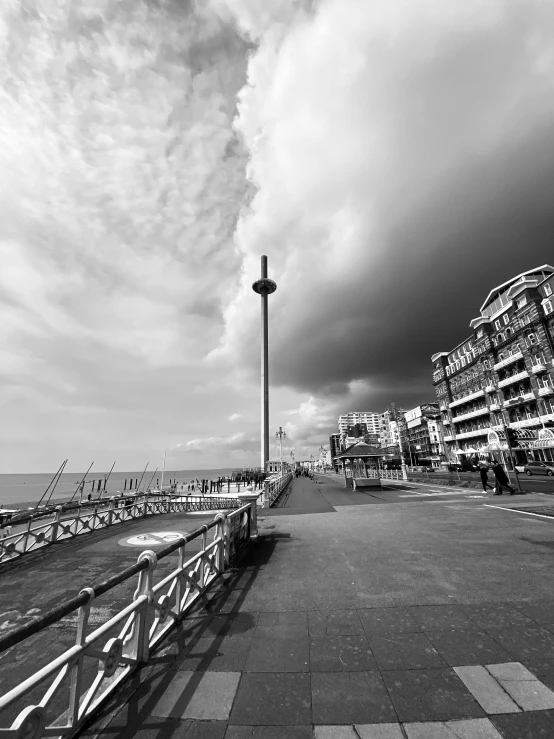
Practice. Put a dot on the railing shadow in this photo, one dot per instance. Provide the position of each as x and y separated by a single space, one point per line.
217 617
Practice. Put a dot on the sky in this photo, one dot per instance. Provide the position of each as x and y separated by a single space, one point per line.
392 158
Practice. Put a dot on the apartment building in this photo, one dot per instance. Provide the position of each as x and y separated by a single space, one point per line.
423 435
502 375
371 420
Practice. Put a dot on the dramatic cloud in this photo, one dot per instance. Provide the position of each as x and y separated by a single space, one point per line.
401 157
392 158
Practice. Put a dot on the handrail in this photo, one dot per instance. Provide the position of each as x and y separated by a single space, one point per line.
142 624
14 546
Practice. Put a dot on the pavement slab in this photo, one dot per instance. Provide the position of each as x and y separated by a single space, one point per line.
401 651
467 647
350 698
276 653
269 732
430 695
525 643
198 695
387 620
277 698
527 725
350 653
487 691
524 687
436 618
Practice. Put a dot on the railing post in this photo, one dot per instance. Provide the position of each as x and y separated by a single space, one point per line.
267 501
77 669
56 524
252 498
28 533
138 645
145 512
221 558
110 511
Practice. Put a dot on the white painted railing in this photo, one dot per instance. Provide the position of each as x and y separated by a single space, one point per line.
93 516
274 486
58 699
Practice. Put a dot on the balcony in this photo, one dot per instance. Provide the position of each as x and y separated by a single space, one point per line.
449 438
469 434
536 421
509 360
490 389
544 391
443 407
494 407
510 402
536 369
467 398
514 378
473 414
446 422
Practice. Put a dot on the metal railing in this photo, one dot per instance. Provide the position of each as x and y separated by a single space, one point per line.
93 516
78 681
274 486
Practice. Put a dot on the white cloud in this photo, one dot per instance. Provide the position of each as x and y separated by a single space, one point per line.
234 417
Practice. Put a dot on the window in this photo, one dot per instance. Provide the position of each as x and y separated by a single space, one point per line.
497 325
547 289
548 307
532 339
480 333
521 302
506 318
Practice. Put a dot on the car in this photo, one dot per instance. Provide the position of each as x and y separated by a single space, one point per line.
539 468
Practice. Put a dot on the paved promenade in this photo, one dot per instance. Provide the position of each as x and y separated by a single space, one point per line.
407 613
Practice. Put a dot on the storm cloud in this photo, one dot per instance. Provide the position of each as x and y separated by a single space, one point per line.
402 159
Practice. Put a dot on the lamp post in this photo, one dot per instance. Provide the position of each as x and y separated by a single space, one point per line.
281 435
402 456
264 287
292 460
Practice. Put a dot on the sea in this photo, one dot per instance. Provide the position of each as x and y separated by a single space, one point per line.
22 490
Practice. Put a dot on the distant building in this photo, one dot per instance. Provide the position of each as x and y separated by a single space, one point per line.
371 421
502 375
423 435
334 446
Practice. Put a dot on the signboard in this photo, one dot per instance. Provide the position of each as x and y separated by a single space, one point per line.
545 439
413 414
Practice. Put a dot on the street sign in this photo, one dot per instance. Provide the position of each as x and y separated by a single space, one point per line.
151 539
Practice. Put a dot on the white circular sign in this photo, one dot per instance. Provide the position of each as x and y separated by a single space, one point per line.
152 539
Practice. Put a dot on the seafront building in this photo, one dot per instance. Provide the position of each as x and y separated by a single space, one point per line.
371 421
502 375
424 435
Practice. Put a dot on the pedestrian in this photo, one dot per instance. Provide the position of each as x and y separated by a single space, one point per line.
501 479
484 477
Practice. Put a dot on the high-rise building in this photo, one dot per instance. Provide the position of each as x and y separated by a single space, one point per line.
371 420
501 377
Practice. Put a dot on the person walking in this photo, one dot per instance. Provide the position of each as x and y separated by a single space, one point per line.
501 479
483 472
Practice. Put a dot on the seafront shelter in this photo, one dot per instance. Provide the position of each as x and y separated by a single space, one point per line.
360 464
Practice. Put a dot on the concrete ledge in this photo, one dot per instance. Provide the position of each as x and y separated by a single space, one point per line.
366 482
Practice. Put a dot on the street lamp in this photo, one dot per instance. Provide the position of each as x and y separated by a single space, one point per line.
281 435
401 445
